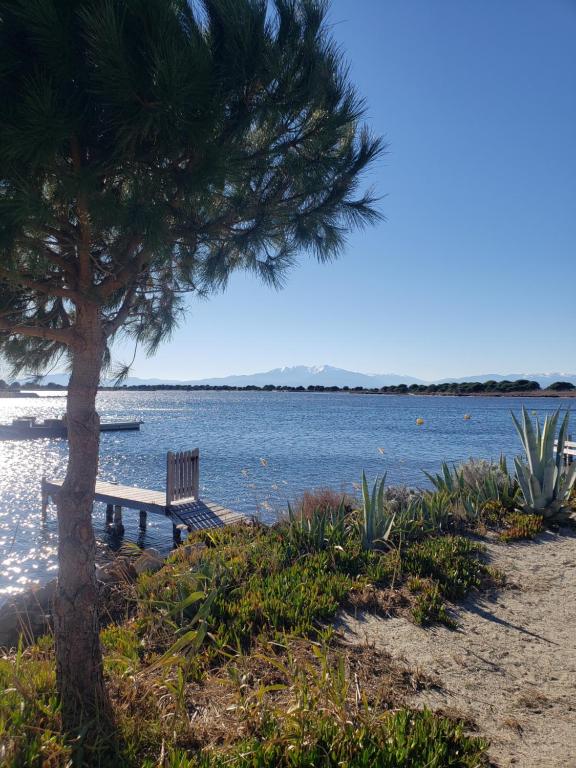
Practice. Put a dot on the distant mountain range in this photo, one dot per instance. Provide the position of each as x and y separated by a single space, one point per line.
328 376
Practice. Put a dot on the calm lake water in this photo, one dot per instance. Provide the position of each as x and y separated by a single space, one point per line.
257 451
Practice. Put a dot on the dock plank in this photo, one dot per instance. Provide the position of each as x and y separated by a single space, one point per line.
206 514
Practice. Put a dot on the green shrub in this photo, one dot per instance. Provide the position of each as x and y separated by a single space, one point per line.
477 486
29 711
317 530
450 561
428 606
522 525
493 514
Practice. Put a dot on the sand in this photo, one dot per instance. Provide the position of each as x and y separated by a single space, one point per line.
510 667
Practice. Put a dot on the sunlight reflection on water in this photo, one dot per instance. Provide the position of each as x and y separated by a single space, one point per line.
257 451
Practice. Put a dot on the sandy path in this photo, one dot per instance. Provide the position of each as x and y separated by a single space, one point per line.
511 666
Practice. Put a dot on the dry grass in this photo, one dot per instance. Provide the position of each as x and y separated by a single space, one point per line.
232 703
321 500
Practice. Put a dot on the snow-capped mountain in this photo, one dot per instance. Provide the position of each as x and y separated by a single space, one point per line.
304 376
329 376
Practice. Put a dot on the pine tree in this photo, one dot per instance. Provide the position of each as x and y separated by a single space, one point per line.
149 149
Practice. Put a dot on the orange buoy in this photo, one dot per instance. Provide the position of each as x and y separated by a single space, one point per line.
419 421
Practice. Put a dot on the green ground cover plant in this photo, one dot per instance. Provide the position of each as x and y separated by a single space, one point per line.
520 525
401 739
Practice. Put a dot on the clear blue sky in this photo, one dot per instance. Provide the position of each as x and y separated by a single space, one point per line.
475 269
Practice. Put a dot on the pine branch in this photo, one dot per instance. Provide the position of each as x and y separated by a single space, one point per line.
47 288
65 336
56 259
113 325
123 277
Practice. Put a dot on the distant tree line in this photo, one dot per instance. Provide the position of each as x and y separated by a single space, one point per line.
16 385
13 385
447 388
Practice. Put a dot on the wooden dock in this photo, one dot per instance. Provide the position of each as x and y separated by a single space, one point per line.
180 502
569 451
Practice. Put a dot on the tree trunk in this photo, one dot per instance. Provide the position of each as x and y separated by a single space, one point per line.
80 677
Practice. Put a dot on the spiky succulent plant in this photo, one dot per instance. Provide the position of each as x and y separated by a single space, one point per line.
377 520
545 480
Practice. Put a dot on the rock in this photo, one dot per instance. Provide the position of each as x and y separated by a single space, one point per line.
27 614
190 551
149 561
152 552
118 570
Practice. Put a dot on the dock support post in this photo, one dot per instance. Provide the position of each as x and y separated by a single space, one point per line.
109 514
45 500
143 517
176 534
118 524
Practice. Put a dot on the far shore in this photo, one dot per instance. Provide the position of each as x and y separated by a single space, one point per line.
36 393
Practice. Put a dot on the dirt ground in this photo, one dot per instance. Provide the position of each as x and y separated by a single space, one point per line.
511 665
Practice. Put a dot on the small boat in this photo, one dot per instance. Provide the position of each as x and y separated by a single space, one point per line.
27 428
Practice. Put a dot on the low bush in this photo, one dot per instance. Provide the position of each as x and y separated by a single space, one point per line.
401 496
494 514
29 710
428 606
320 499
477 488
452 562
476 472
521 525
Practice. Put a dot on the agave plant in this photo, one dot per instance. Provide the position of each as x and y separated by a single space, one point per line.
425 514
449 480
378 518
476 484
545 482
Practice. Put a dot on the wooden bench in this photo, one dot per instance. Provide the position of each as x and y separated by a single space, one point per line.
181 501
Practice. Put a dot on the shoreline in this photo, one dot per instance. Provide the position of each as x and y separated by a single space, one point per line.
569 394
